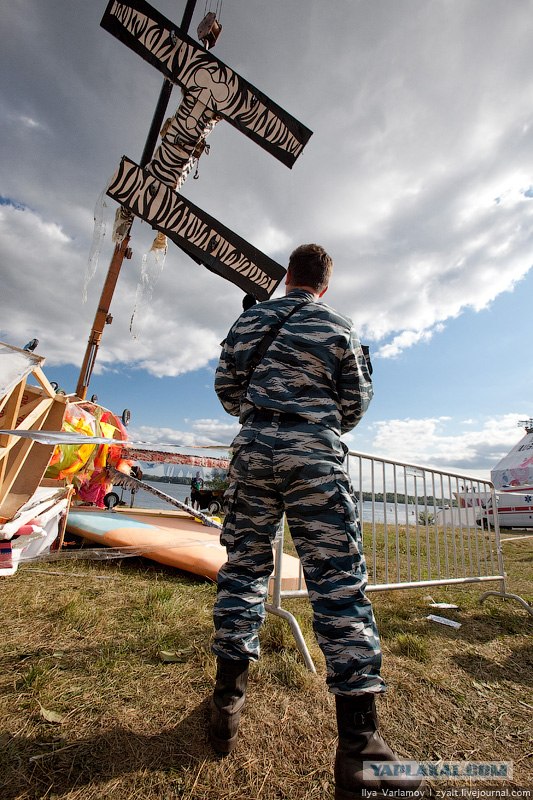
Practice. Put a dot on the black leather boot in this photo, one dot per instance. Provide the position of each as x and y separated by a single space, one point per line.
227 703
360 741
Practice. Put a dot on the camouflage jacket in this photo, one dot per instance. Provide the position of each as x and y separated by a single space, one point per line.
315 366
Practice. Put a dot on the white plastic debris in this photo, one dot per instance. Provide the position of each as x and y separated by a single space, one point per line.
443 621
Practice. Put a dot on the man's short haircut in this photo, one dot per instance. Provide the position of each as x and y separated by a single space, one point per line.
311 266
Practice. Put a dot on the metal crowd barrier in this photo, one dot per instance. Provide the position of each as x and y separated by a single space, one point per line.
421 527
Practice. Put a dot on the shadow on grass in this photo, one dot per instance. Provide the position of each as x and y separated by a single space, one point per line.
518 667
33 768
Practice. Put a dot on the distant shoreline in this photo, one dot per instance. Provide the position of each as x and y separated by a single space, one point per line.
183 480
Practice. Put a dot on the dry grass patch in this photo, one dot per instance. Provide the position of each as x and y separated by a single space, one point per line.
104 681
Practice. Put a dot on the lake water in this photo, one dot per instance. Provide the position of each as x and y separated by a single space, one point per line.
178 491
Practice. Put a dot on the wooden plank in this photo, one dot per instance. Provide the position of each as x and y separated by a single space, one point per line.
19 454
8 419
39 408
11 410
28 460
45 383
23 462
148 33
20 450
58 544
204 238
35 415
25 409
3 401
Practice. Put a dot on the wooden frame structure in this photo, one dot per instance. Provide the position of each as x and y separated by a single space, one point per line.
24 406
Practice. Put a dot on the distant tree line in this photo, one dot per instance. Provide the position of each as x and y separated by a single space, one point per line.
219 480
183 479
407 499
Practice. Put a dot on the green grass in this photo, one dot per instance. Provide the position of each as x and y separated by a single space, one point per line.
411 645
133 724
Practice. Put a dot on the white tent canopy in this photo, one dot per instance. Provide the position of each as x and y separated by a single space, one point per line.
516 468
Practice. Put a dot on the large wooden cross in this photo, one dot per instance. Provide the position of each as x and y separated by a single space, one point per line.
211 91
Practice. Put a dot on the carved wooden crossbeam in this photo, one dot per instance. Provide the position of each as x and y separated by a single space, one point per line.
211 91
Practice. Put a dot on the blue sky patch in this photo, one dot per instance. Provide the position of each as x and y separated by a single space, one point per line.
7 201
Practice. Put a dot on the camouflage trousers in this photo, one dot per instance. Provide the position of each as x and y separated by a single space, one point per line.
297 469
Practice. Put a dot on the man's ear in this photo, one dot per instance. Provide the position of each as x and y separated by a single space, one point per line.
288 277
323 292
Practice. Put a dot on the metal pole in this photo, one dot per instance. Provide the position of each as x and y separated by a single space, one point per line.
102 313
164 96
157 120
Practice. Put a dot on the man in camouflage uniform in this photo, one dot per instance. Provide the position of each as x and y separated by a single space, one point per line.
309 383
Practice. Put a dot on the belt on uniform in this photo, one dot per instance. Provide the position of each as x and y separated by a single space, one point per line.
265 415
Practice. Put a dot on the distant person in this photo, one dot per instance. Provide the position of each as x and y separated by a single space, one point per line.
197 484
295 391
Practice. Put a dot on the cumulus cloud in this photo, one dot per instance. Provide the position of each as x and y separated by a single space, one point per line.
421 235
430 442
406 339
44 262
202 433
39 263
417 178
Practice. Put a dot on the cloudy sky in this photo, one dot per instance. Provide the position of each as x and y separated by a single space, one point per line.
418 180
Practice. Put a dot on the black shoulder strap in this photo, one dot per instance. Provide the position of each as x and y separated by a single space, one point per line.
269 337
